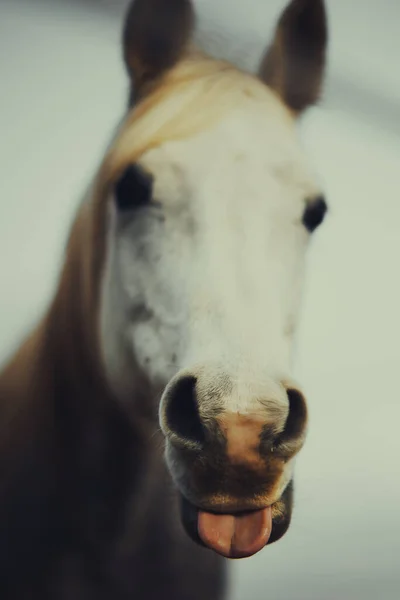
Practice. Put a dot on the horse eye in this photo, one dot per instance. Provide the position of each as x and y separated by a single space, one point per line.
133 189
314 214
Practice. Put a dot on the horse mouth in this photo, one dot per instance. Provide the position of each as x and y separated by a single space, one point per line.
238 535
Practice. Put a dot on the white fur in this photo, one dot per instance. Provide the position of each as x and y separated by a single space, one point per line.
221 277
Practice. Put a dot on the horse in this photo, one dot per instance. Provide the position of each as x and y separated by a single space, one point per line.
150 422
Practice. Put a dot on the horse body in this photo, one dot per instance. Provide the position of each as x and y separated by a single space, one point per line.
181 282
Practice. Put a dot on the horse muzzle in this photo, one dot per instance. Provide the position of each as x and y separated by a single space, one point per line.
232 469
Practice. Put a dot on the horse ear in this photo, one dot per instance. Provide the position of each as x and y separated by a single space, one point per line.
294 65
156 35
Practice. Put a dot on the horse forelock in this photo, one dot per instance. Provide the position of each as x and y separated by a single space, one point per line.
188 100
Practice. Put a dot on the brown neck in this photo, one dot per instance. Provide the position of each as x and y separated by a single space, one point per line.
61 358
69 456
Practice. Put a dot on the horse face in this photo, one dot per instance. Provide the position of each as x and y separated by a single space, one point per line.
205 268
208 226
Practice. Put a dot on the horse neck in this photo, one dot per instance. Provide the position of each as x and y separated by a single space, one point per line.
54 387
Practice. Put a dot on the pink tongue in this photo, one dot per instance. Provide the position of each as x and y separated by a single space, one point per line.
235 536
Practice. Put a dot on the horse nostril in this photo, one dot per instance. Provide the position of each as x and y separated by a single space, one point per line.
182 412
292 437
297 417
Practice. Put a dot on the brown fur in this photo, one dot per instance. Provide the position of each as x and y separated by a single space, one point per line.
156 35
242 434
295 63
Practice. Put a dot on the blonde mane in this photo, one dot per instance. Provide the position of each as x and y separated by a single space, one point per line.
186 101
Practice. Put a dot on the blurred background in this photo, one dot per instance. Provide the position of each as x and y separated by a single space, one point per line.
63 90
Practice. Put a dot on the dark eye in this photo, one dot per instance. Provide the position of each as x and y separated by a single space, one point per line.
314 213
134 189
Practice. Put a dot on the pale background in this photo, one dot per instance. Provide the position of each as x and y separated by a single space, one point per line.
63 89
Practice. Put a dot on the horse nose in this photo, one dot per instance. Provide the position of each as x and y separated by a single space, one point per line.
193 416
180 415
187 419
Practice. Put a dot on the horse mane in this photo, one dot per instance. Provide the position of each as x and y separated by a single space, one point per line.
187 100
68 452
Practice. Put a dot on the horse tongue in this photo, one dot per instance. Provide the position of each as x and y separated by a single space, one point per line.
235 536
